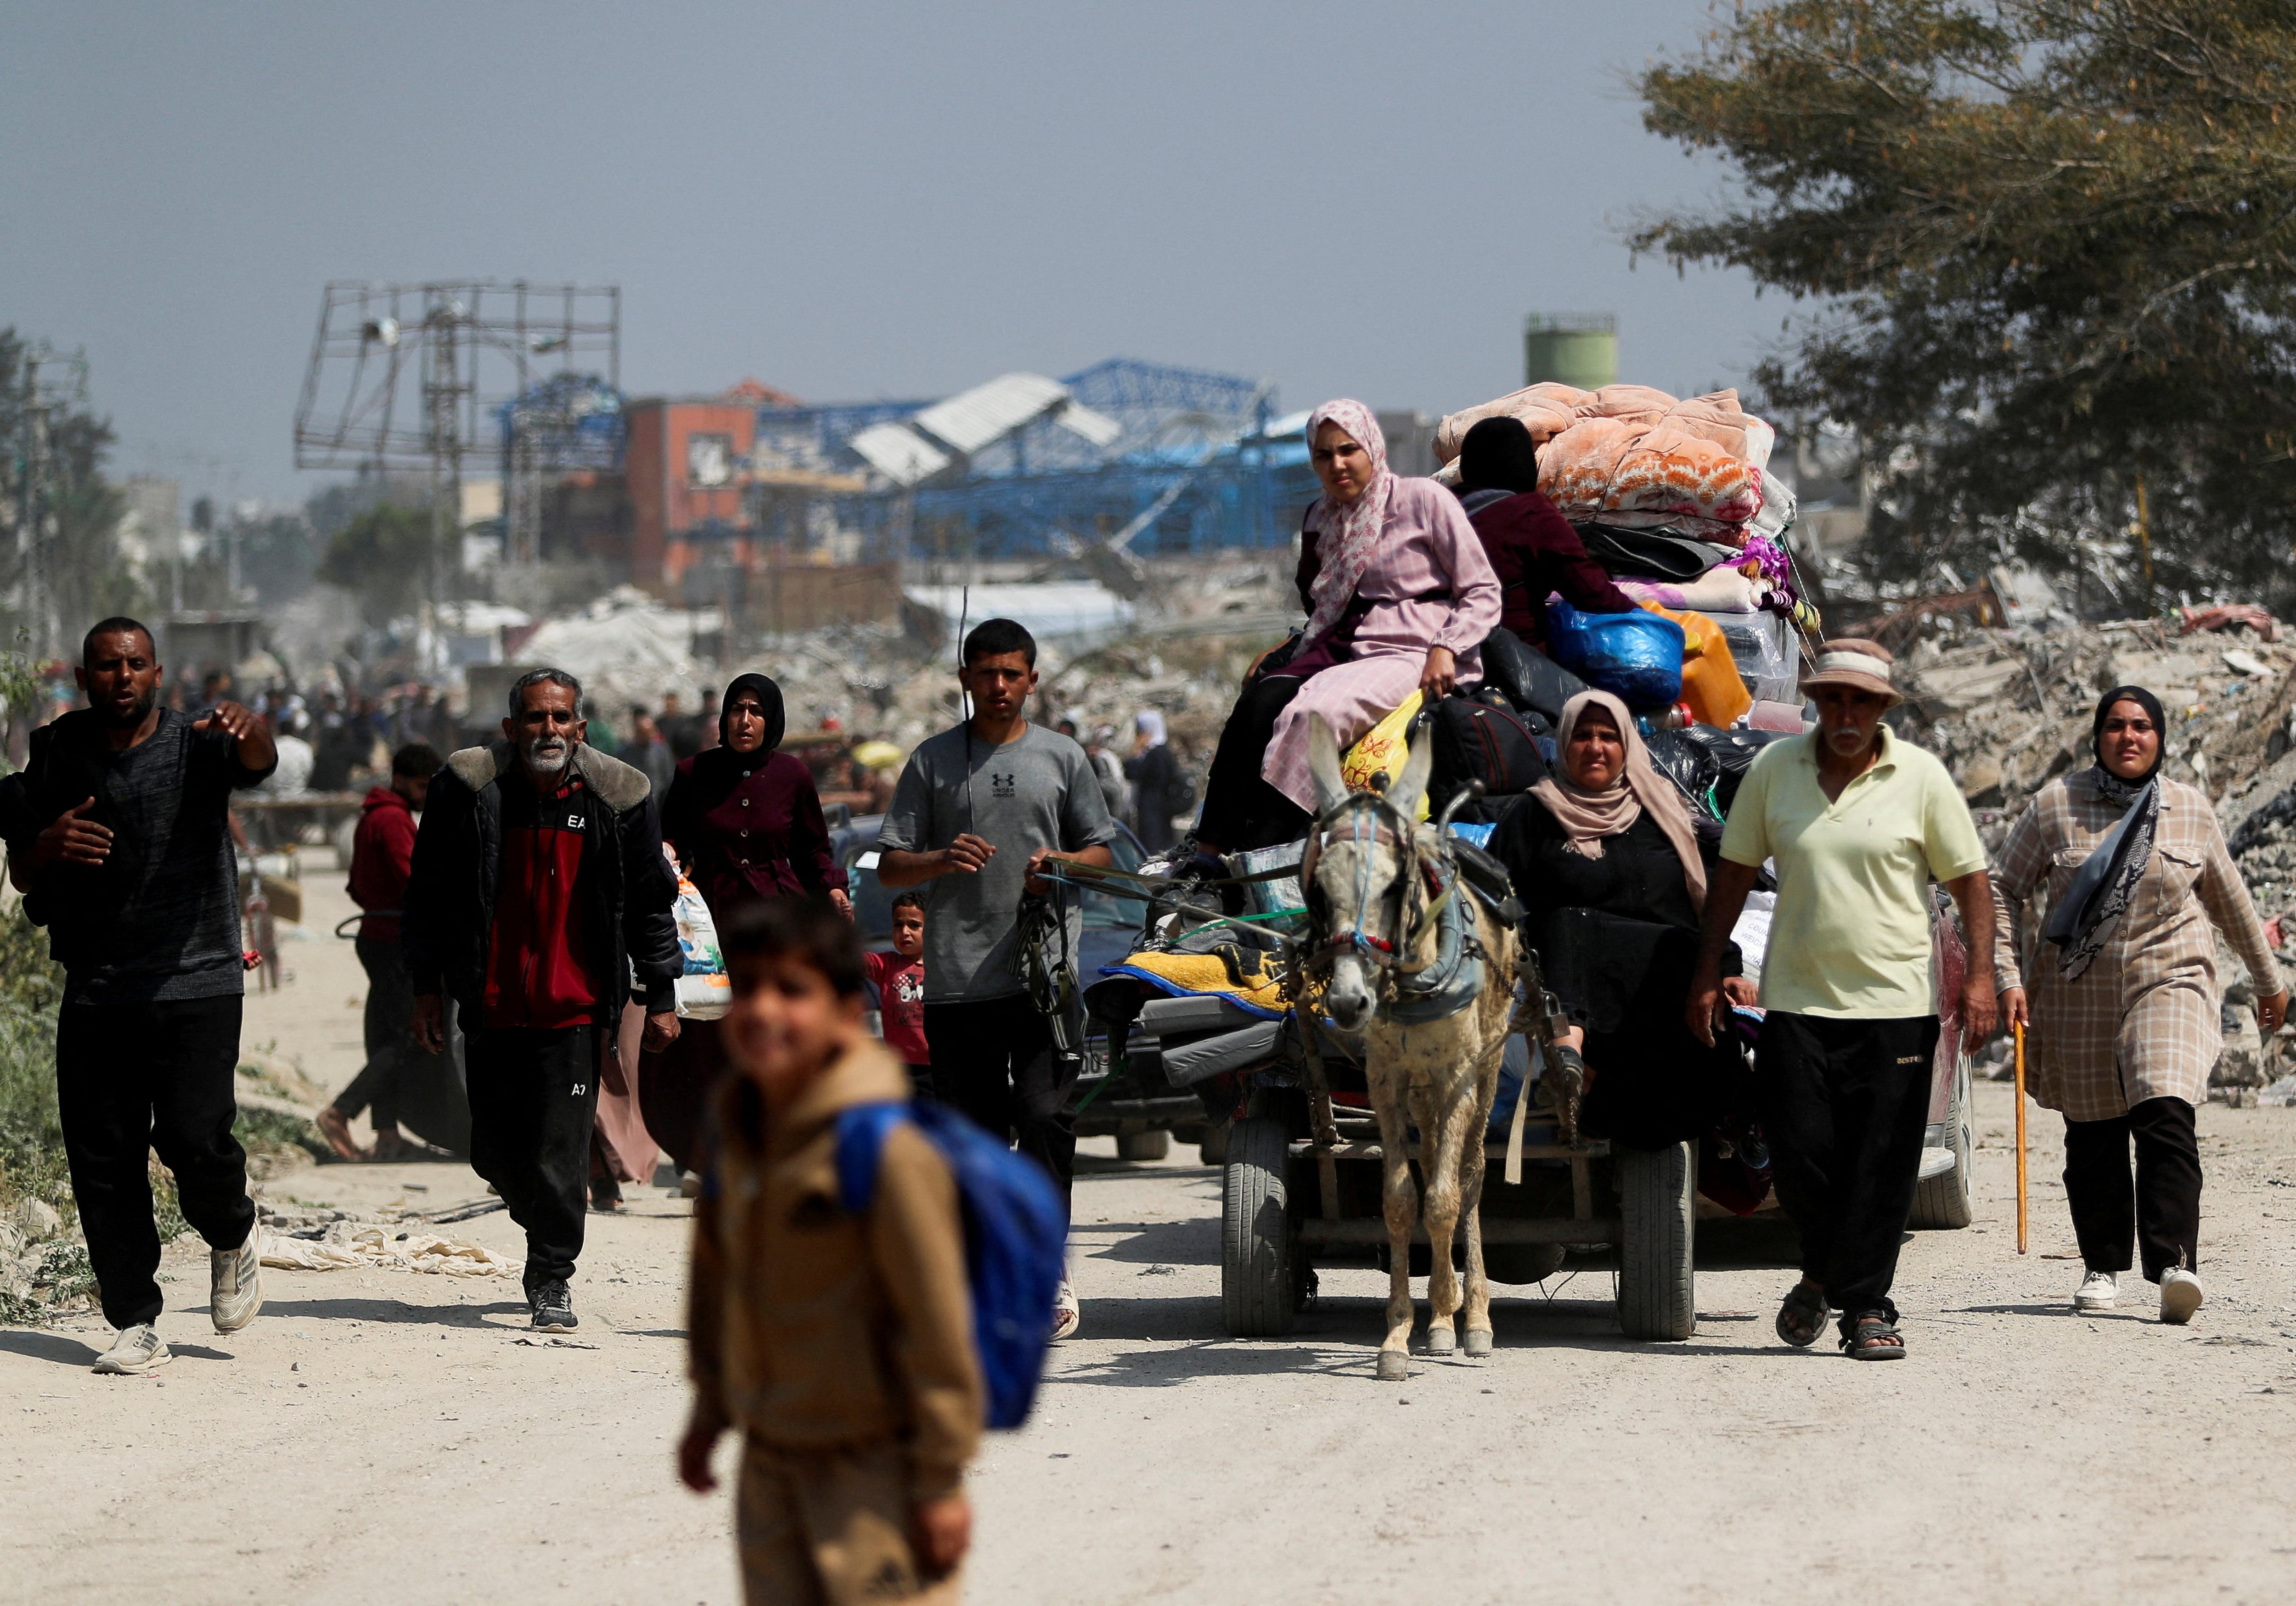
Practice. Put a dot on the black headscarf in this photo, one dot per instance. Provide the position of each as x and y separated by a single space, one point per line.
1497 455
2102 887
769 704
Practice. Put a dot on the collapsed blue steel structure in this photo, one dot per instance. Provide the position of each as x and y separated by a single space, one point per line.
1194 461
1193 457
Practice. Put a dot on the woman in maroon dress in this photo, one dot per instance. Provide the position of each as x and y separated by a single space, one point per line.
745 822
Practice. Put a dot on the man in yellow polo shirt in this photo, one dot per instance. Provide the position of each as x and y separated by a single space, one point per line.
1858 824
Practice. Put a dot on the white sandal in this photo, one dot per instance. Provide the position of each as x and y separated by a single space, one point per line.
1068 1315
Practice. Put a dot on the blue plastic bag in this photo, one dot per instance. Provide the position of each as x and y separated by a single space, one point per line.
1636 655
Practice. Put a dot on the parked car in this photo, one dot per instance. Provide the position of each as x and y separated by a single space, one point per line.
1135 1105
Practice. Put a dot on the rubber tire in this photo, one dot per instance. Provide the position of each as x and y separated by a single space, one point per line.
1944 1203
1658 1281
1152 1144
1257 1248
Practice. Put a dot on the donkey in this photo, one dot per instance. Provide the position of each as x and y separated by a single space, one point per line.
1422 968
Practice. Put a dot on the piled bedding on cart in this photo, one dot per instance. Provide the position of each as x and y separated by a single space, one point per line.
1674 497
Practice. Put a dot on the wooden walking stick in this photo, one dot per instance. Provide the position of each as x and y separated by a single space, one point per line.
2020 1137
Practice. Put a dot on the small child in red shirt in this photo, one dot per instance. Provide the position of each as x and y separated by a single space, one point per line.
900 979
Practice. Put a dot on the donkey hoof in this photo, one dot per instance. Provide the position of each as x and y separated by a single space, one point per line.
1479 1343
1441 1339
1394 1366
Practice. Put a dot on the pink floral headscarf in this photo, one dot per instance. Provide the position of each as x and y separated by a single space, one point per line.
1348 536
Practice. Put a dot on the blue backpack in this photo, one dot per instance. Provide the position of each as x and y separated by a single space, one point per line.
1015 1238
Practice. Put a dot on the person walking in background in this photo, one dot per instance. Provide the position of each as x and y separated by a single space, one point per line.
538 892
648 752
1157 789
838 1341
1857 822
707 723
979 811
601 732
746 824
2125 1010
1532 547
1115 791
678 728
899 979
119 838
383 857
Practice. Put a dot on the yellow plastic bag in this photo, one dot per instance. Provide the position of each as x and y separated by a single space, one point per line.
1383 750
1711 685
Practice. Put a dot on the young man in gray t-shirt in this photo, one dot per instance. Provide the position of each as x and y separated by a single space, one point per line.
978 810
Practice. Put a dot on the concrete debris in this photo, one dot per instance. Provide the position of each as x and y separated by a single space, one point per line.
625 648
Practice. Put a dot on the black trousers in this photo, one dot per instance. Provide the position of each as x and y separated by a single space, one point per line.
390 1031
2162 1215
132 1078
534 1101
1844 1105
993 1061
1240 810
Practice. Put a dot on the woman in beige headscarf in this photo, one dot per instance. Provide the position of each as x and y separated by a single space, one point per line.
1609 869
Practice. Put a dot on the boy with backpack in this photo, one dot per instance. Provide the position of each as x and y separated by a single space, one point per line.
871 1279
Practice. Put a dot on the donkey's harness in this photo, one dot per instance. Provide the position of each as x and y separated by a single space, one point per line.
1423 895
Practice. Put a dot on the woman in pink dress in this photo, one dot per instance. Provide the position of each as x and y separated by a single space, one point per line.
1399 596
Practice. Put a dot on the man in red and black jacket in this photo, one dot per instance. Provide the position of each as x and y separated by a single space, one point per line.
383 859
541 901
1530 544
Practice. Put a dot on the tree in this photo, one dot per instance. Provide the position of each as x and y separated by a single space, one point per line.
81 563
385 554
2051 245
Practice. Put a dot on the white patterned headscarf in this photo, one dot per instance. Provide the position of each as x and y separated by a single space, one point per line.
1348 536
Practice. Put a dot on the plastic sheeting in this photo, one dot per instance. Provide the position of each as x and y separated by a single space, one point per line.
351 1245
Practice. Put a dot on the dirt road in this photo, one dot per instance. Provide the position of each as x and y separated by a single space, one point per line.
392 1437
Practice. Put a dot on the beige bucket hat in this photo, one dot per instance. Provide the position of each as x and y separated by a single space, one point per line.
1854 662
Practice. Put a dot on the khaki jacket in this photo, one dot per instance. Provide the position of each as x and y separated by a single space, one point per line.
814 1329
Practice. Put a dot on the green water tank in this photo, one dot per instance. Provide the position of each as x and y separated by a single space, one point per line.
1578 348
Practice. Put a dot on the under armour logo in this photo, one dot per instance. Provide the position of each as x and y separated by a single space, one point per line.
1001 786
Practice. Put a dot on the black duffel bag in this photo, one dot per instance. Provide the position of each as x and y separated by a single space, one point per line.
1532 681
1478 737
1707 764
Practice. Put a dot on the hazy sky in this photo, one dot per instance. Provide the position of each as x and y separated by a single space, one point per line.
848 201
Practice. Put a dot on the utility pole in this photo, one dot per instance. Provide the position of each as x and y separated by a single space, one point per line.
443 390
52 381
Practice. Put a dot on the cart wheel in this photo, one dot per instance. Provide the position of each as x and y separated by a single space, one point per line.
1944 1200
1258 1255
1152 1144
1657 1296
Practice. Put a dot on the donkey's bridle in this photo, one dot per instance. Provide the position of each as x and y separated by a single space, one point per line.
1368 819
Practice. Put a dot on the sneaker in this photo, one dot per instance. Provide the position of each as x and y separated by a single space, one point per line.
236 1283
2099 1291
137 1349
2180 1296
553 1306
1068 1315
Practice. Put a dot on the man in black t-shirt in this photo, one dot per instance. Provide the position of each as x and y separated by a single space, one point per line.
118 836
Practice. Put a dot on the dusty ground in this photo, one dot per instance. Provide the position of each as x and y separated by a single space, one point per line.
386 1437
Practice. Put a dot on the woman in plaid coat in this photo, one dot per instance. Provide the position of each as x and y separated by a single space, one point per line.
2124 1000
